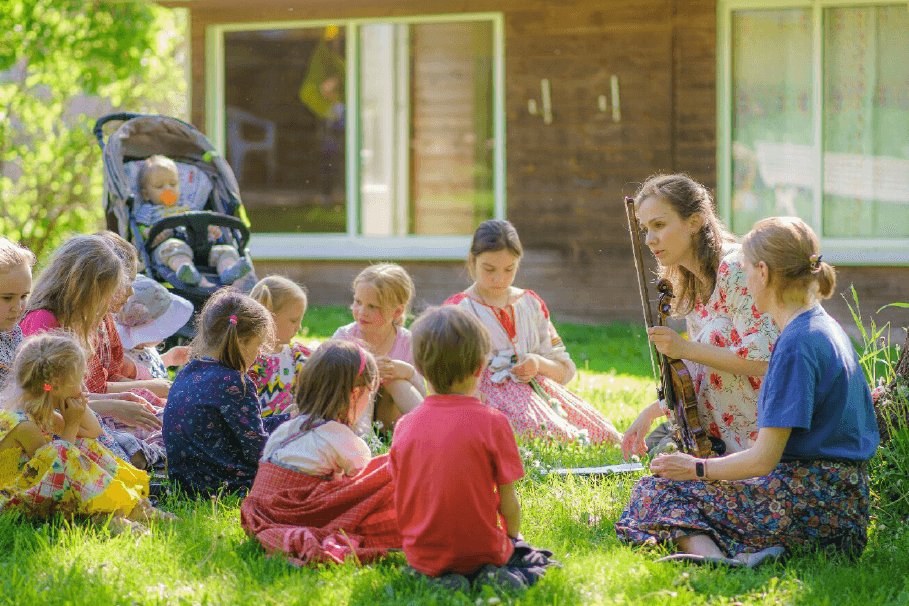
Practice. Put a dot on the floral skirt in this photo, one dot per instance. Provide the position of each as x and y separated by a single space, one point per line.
801 504
67 478
564 416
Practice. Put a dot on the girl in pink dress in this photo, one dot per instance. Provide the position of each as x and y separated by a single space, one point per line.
529 365
382 296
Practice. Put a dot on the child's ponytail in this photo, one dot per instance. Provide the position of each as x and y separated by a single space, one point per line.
329 377
227 321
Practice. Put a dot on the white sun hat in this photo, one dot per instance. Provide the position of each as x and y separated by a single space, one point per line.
151 314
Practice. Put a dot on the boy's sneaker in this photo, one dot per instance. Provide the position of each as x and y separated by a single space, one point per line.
188 274
236 271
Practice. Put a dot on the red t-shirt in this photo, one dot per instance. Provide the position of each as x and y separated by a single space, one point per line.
448 457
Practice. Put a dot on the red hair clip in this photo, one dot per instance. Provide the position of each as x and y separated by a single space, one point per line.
233 320
47 387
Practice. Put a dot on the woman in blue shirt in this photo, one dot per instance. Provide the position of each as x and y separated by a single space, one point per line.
804 483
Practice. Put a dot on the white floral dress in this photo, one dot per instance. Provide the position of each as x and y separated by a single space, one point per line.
728 402
520 328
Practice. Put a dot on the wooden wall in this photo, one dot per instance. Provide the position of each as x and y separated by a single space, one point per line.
566 180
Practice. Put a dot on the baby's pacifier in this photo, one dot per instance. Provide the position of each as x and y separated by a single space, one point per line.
168 197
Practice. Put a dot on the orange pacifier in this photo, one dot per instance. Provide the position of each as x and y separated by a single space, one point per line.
168 197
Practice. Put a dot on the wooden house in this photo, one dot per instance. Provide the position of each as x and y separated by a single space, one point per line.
366 130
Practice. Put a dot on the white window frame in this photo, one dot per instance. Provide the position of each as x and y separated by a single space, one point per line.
352 245
840 251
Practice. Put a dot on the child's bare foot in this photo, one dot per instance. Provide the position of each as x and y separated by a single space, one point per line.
117 524
145 512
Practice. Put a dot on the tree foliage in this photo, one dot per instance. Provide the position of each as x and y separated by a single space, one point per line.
63 64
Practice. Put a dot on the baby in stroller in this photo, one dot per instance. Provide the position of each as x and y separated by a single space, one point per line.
159 185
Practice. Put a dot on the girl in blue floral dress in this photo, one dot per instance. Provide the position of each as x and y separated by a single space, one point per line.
804 483
213 428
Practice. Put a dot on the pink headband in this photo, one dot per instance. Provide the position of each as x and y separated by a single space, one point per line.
362 360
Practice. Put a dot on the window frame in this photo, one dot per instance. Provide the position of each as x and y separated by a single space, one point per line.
351 244
841 251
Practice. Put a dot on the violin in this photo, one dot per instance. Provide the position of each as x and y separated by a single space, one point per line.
675 386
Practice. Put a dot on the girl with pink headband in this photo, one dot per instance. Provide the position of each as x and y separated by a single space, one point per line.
317 459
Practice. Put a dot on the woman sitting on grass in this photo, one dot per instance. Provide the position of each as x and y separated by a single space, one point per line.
318 495
804 483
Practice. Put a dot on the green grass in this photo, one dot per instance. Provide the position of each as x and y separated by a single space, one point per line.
207 559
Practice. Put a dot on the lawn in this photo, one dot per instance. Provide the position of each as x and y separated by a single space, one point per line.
207 559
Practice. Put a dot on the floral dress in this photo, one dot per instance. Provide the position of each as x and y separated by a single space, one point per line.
728 402
63 477
544 407
9 341
275 377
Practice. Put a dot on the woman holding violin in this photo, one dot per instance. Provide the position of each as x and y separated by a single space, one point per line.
729 340
804 483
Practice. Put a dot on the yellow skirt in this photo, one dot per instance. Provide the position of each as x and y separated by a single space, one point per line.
63 477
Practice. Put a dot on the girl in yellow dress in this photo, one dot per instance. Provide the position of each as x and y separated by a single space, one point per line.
49 459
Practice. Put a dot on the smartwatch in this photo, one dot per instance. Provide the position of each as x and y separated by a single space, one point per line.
700 470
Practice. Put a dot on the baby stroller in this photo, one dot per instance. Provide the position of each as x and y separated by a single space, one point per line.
206 182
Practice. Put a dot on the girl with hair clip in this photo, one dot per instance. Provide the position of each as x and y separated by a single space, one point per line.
275 372
729 340
49 460
382 296
318 495
529 366
804 483
213 430
75 291
16 264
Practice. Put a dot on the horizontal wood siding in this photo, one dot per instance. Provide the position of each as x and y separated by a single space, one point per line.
566 180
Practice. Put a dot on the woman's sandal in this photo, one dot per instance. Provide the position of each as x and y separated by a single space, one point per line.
764 556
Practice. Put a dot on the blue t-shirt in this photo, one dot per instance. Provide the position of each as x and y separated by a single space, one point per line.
815 385
213 429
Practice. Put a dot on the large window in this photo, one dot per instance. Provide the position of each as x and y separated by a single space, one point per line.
814 112
362 139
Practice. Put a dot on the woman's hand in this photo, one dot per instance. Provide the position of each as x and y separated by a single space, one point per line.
129 412
159 387
677 466
668 342
527 367
633 441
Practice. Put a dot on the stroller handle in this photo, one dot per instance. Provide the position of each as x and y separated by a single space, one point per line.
196 223
98 131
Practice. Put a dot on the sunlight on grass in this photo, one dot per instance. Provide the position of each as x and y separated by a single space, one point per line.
207 558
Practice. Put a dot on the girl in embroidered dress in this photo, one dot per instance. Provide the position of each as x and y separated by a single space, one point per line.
318 494
529 367
275 372
382 297
75 291
213 429
804 484
49 459
15 284
729 340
